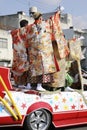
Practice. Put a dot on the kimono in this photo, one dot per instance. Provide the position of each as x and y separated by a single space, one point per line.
39 52
61 51
41 57
33 53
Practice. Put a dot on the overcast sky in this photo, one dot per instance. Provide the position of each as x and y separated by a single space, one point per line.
77 8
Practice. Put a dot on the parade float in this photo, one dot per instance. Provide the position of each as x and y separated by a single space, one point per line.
37 110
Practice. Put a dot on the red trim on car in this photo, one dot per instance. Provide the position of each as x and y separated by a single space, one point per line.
9 120
39 105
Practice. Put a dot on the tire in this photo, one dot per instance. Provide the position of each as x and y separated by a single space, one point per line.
38 120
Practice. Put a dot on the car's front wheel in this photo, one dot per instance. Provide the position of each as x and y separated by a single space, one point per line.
38 120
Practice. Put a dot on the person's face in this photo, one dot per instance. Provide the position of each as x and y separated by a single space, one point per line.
40 20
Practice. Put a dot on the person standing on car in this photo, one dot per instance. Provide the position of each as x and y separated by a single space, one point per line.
37 21
36 86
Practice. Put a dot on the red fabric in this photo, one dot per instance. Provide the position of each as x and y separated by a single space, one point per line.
56 63
58 36
17 38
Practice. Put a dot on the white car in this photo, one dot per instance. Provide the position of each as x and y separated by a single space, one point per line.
38 110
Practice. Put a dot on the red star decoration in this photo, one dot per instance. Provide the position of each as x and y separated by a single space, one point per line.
56 107
82 106
73 107
23 105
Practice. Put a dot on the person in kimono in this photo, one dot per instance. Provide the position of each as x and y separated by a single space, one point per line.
37 20
26 74
61 51
23 23
19 56
42 65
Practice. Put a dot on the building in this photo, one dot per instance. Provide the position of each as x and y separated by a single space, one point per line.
7 23
6 52
10 22
83 32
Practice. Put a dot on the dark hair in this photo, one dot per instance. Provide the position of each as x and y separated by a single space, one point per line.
23 23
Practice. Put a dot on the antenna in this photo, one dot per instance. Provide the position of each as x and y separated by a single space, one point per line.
59 8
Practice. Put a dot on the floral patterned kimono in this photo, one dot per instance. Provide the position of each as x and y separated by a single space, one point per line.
33 53
39 53
61 51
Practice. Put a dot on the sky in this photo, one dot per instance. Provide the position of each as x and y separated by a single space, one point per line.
77 8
